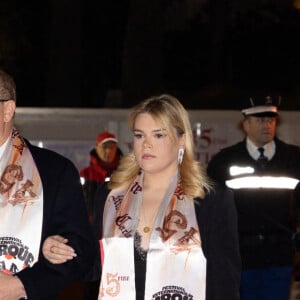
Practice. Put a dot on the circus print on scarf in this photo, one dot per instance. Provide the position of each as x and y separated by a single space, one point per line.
176 236
21 203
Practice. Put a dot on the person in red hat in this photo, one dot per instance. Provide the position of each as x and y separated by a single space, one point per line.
104 159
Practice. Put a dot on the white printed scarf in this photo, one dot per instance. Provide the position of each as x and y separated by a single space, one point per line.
176 266
21 207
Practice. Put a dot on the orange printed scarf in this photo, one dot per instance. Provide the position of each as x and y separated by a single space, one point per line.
21 207
176 266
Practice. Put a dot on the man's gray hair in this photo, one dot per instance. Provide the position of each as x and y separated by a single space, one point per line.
7 87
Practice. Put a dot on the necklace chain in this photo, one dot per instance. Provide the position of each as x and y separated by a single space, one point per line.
147 228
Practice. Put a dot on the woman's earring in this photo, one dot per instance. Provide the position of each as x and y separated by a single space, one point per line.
180 155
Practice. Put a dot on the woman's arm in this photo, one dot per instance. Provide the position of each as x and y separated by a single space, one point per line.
217 219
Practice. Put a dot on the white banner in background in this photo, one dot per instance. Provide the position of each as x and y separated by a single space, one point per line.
72 132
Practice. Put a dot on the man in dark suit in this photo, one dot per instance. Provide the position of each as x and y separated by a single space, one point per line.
40 195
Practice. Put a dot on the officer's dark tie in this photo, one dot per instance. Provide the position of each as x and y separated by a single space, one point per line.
262 159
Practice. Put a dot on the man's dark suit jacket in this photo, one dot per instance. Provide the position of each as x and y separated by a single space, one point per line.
64 213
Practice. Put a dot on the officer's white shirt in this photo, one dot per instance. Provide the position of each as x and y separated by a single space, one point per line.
254 153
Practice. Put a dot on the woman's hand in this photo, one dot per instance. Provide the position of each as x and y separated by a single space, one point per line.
56 250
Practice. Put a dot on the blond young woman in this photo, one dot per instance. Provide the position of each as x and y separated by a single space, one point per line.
164 232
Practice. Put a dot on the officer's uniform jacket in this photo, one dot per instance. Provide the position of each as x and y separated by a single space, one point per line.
267 215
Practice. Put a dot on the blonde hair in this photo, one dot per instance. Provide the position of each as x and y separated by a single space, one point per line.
167 110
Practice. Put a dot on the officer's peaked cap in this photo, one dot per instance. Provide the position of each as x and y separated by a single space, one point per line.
262 106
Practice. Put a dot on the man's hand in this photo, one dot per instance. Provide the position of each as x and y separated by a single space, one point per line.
11 287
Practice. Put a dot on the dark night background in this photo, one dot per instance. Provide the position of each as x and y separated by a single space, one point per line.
212 54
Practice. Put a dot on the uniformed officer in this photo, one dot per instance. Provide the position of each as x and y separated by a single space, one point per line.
263 171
